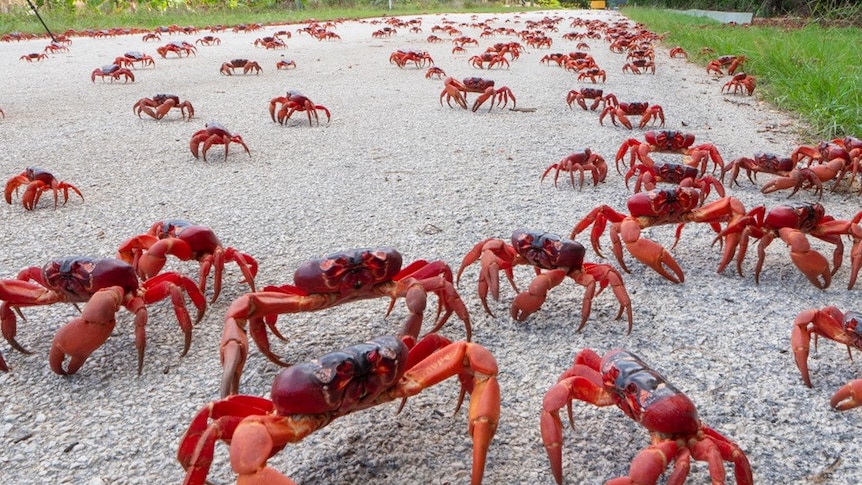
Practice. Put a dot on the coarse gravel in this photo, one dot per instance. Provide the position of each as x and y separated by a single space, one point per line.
395 168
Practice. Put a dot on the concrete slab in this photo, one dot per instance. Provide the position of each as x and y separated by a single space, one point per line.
723 17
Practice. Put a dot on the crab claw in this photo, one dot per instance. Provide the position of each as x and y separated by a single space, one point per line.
812 264
848 397
648 252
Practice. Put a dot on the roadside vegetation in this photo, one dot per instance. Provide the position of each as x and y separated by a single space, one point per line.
808 65
810 69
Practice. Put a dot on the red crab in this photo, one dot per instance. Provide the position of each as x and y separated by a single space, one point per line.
310 395
435 71
148 252
130 58
292 102
732 63
593 74
338 278
622 379
457 90
554 259
208 40
619 111
579 162
161 104
675 173
105 285
639 66
490 58
835 159
419 58
36 56
833 324
38 181
247 66
285 64
791 223
180 48
669 141
678 52
740 83
581 95
680 205
114 72
761 162
214 133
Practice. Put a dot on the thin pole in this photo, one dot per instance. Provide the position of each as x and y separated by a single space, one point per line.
40 20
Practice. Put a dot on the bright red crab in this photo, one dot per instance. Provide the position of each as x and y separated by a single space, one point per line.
622 379
597 95
732 63
669 141
647 112
229 68
740 83
457 90
113 72
793 223
37 182
180 48
579 162
680 205
761 162
308 396
675 173
343 277
281 108
214 133
186 241
834 162
554 259
129 59
161 104
419 58
833 324
105 285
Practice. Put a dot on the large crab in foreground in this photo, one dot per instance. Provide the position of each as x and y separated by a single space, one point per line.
214 133
554 259
679 205
161 104
669 141
579 162
343 277
186 241
457 90
37 182
833 324
105 285
281 108
793 223
114 72
622 379
308 396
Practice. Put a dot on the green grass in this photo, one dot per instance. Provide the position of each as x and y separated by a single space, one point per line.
59 20
813 71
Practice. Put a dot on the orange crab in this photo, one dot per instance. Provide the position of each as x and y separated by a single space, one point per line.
579 162
308 396
214 133
339 278
37 182
669 141
622 379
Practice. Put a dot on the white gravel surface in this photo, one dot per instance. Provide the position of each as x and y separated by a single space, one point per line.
395 168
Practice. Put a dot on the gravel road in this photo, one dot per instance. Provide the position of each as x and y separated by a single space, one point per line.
395 168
